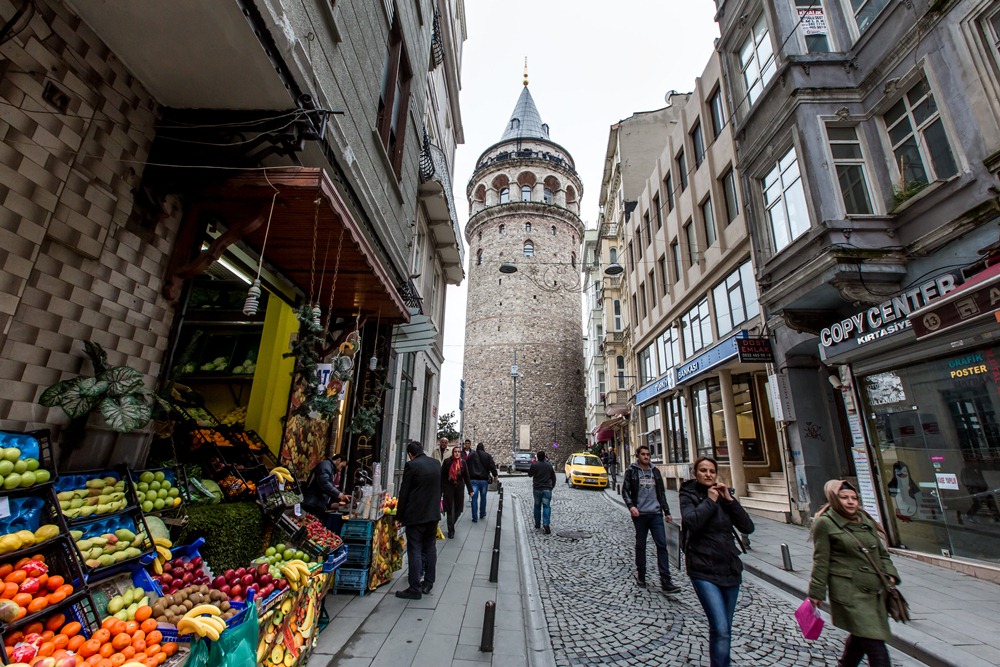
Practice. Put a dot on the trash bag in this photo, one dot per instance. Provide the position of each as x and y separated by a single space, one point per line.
237 646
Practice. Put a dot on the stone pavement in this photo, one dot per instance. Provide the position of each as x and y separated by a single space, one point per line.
445 627
596 613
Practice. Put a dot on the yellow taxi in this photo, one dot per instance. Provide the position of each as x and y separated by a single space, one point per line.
585 469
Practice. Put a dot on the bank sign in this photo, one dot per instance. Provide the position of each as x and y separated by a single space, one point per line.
886 319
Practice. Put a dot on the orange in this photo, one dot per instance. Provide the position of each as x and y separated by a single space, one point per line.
55 622
139 634
65 589
21 613
103 635
54 582
104 662
117 660
72 629
153 649
148 625
75 643
131 627
128 652
21 563
48 635
61 641
106 650
161 658
9 591
89 648
6 569
120 641
16 577
170 648
14 638
46 649
42 580
139 645
154 637
139 657
34 629
23 599
151 662
55 598
117 627
37 605
109 621
39 557
143 613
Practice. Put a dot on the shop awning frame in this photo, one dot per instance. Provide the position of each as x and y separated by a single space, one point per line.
361 284
977 298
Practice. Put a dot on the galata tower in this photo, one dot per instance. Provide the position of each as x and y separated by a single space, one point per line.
524 235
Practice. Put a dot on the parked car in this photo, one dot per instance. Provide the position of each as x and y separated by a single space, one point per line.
523 461
585 470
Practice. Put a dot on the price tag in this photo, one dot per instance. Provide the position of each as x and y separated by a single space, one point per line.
297 509
4 507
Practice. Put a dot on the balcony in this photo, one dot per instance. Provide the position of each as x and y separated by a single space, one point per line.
609 230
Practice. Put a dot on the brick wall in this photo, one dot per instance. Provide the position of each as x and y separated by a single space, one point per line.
72 267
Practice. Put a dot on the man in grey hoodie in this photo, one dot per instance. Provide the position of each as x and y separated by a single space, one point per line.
644 495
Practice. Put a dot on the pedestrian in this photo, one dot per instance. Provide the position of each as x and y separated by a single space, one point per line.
644 495
710 515
543 481
419 509
454 475
441 453
466 449
841 531
322 496
482 469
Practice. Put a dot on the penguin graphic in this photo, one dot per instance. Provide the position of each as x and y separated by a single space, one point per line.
904 491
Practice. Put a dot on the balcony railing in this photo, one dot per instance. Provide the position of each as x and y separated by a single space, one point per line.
609 230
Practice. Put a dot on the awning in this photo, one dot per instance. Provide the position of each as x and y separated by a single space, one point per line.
974 300
310 223
606 430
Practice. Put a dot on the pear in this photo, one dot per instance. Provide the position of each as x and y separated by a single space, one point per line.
104 509
93 563
76 503
76 534
106 559
84 545
65 495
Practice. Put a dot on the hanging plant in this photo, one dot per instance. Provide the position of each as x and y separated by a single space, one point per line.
366 420
305 350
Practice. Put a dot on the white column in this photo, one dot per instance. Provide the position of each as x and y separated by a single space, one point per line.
739 481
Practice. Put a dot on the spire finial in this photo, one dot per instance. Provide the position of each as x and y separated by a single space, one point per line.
526 70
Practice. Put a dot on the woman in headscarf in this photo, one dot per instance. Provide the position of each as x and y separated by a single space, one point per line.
857 596
454 474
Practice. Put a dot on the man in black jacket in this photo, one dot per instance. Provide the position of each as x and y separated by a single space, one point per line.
322 489
481 469
419 509
544 480
642 490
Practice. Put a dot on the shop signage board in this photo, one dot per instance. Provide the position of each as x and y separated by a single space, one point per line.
756 350
863 468
978 298
706 361
883 320
947 481
665 383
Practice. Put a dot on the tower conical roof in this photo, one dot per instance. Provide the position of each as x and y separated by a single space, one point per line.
525 123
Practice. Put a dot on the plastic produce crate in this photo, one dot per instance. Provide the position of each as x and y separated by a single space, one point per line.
80 607
358 555
33 445
79 480
349 579
134 577
132 520
273 601
273 495
169 632
287 532
30 508
356 530
336 559
177 479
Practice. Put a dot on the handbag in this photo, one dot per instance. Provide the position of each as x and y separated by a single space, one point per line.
896 604
810 622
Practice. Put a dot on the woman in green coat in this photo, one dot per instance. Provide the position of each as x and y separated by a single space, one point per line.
857 596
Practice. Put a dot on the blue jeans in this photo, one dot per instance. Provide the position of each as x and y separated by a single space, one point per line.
543 506
651 524
719 603
479 496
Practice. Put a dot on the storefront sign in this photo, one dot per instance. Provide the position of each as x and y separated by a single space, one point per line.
886 319
978 298
866 483
665 383
947 481
813 21
719 354
754 350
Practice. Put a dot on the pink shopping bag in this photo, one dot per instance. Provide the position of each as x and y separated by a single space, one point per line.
810 622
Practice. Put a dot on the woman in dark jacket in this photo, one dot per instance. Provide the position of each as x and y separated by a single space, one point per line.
454 473
710 514
857 596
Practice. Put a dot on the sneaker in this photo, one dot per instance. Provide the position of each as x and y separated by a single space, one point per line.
669 588
426 587
546 529
409 594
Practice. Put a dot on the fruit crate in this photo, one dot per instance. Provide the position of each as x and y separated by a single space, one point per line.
336 559
177 478
134 577
187 551
275 495
132 520
29 509
288 532
358 554
76 481
357 530
273 601
80 607
351 579
33 445
169 632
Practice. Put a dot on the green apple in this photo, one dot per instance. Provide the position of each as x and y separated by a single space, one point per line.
142 487
42 475
173 492
32 464
20 466
6 467
154 486
147 505
146 477
158 503
27 478
12 481
11 454
159 476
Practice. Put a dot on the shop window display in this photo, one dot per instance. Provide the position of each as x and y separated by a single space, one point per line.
936 437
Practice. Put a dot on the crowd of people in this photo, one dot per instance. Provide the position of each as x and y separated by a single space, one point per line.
851 564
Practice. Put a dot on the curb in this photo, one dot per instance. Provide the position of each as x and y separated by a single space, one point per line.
539 644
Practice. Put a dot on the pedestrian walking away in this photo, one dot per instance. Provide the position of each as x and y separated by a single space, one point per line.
642 490
543 481
454 478
419 509
710 513
482 469
843 533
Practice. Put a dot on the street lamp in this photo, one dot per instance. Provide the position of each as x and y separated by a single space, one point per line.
513 421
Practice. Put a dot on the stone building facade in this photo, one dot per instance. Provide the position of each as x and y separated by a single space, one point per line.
525 238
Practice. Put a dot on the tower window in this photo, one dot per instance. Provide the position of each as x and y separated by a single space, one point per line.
525 193
502 230
547 196
553 230
504 195
529 249
572 260
479 258
527 227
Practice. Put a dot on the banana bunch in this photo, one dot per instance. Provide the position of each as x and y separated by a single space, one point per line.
163 554
283 474
296 572
203 620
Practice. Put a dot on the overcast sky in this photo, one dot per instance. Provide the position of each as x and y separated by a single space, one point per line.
590 64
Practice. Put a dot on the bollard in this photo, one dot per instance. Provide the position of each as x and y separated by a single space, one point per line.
786 557
489 618
496 536
495 565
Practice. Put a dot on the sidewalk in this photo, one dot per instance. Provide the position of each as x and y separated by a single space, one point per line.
445 627
956 618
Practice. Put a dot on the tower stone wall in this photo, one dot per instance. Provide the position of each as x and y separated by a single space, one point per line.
534 311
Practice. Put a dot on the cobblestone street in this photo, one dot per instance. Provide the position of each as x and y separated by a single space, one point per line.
596 614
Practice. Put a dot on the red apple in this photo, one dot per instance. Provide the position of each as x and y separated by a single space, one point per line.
226 589
235 591
265 579
247 579
229 574
240 571
196 561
